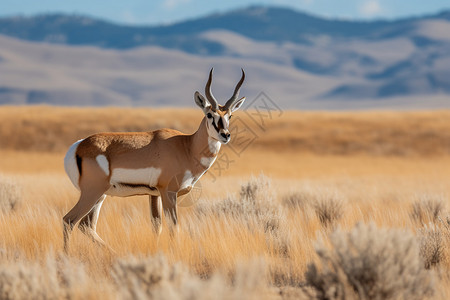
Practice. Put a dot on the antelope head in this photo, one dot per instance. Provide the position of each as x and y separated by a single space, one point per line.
218 116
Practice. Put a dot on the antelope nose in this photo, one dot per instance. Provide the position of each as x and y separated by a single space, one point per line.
226 136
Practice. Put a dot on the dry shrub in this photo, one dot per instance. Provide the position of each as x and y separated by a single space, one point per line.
257 189
257 209
133 278
256 205
329 208
296 200
370 263
431 240
249 281
327 204
56 279
10 194
155 278
427 208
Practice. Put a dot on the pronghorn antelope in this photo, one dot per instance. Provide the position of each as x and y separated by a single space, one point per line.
163 164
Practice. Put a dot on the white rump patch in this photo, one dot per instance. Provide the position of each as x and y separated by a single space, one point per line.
70 164
207 161
148 176
103 163
214 145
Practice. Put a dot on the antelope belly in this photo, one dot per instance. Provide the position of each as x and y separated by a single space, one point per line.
129 182
127 189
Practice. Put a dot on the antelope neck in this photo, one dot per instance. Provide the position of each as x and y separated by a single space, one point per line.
202 145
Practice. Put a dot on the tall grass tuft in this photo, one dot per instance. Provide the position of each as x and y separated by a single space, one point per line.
370 263
10 194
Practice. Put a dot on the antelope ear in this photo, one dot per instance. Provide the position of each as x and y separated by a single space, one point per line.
237 105
201 101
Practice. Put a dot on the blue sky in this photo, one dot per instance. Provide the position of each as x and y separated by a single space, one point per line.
168 11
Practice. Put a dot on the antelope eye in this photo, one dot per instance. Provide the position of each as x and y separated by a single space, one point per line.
209 115
229 118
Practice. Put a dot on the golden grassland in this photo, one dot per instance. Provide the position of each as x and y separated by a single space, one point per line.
244 237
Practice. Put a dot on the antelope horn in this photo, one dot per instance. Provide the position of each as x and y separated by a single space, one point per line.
236 92
208 93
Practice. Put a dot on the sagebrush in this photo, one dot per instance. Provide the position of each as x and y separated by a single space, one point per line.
370 263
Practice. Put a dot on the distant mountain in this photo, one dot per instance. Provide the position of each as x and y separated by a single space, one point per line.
340 60
259 23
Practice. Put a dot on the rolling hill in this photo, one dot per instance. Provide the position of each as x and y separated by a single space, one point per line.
300 61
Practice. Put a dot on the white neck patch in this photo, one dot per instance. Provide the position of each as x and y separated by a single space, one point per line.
207 161
214 145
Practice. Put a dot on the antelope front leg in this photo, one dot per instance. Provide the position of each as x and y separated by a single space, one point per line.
169 203
156 211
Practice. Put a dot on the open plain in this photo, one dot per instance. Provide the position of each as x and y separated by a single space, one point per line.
332 205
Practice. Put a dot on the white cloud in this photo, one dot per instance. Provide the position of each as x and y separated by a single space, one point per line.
371 8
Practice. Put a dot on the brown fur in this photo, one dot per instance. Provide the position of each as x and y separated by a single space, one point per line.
171 160
169 150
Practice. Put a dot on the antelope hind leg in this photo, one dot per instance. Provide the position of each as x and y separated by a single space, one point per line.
93 184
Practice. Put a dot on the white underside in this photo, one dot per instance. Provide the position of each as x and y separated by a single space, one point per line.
148 176
143 176
124 191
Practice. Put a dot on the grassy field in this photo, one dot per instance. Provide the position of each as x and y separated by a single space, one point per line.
351 205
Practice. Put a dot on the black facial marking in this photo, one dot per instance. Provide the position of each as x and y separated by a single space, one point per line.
214 124
220 124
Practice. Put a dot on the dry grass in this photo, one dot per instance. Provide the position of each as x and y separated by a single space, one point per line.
253 237
46 128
